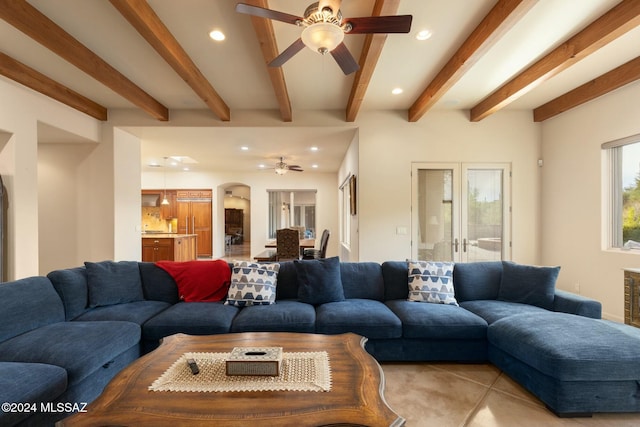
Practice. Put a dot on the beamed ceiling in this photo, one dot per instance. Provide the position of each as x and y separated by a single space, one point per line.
546 56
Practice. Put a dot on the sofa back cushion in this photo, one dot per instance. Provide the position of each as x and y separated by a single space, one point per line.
71 285
396 280
28 304
287 284
362 280
111 282
477 280
157 284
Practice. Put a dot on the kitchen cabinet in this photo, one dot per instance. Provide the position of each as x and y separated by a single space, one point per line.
167 247
194 212
169 211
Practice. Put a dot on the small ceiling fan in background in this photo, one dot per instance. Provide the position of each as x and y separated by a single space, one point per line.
282 168
324 30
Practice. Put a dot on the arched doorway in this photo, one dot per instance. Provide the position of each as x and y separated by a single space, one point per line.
236 218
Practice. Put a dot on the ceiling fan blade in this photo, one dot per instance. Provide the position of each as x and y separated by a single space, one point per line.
344 59
267 13
287 54
380 24
295 168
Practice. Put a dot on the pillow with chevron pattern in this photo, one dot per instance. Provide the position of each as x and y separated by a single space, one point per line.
253 284
431 281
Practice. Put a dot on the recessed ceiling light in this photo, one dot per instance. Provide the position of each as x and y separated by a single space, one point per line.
397 91
244 148
261 166
217 35
314 166
314 148
424 35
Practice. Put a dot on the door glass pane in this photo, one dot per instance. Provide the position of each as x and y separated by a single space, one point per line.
484 215
435 214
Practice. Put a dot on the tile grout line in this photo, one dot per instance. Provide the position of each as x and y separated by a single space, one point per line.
474 411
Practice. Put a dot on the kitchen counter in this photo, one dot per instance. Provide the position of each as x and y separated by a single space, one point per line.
164 235
168 247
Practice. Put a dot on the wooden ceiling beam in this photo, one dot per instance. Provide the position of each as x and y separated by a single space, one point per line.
371 50
502 17
37 81
142 17
597 87
267 39
33 23
617 21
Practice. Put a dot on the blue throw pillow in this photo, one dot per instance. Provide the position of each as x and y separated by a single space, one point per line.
319 280
112 282
528 284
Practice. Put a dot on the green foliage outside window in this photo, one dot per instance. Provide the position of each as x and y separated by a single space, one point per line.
631 212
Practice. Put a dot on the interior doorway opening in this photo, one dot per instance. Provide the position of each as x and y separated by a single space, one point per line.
237 220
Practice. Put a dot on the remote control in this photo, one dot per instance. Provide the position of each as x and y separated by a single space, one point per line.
193 366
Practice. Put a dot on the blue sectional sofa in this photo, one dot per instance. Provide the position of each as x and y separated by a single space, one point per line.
64 336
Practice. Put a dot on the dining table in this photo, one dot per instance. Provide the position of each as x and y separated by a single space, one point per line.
304 243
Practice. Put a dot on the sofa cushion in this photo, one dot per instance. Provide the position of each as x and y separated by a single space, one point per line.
319 280
362 280
431 281
199 281
492 310
29 383
437 321
28 304
477 280
528 284
287 281
193 318
253 284
112 282
157 284
79 347
371 319
395 275
285 316
569 347
136 312
71 285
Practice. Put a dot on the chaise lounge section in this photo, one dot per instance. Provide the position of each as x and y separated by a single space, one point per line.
77 327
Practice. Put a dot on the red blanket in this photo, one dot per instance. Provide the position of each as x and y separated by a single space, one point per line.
199 280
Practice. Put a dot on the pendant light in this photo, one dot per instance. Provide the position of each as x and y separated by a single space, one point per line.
165 201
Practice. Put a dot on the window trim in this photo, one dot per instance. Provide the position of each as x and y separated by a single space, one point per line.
612 190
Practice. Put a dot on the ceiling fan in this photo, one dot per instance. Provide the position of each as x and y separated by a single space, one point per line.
282 168
324 30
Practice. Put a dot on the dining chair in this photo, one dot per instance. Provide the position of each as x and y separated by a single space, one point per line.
287 244
321 251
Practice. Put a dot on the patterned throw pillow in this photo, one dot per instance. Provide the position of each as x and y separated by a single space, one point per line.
253 284
431 281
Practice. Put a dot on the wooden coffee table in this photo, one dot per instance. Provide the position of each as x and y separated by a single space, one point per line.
356 396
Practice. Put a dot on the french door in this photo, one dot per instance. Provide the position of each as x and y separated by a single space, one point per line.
461 212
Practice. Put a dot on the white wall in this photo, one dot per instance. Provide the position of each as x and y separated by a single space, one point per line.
59 204
573 200
348 167
20 111
388 144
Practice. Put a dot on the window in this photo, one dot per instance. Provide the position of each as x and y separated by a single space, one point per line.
624 192
292 208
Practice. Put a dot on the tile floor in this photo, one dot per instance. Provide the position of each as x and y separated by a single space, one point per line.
474 395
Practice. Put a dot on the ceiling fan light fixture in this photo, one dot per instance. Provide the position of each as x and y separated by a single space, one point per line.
322 37
280 170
